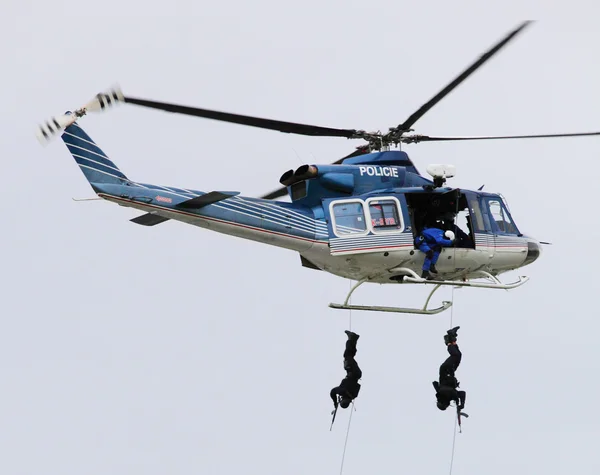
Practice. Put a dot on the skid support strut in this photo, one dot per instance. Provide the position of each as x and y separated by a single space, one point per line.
410 277
422 311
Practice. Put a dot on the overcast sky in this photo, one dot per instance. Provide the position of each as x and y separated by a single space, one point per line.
173 350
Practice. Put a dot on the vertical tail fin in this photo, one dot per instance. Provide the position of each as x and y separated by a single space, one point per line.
94 163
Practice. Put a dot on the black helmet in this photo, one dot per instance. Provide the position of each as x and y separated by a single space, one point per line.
442 405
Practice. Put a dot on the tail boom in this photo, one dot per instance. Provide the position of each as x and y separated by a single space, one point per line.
248 218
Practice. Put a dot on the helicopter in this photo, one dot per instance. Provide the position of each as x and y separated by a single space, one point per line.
356 218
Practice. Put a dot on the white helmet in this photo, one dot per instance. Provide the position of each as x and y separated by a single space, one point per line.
450 235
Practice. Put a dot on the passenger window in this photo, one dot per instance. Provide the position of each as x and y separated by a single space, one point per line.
385 215
500 217
349 218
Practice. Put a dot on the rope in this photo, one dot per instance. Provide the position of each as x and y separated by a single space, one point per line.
352 409
451 326
346 442
452 307
456 418
350 311
453 445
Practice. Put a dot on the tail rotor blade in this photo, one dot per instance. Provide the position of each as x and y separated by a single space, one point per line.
104 100
55 126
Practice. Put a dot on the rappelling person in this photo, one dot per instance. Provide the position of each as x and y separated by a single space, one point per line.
430 241
446 389
349 388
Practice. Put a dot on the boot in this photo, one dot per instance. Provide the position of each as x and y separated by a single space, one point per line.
451 335
433 269
352 335
426 275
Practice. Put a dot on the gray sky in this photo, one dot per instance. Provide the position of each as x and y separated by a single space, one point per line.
132 350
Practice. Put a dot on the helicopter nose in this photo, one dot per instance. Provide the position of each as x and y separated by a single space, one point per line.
534 250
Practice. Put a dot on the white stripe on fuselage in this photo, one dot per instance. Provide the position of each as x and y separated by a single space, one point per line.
296 227
168 211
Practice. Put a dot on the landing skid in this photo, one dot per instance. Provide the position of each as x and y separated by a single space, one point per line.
494 282
413 278
420 311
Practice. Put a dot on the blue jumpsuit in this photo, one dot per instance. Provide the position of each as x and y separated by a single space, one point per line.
430 241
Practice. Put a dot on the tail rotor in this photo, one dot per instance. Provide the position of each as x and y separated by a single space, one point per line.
56 125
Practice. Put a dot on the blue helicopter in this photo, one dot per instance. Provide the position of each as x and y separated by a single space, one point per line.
357 218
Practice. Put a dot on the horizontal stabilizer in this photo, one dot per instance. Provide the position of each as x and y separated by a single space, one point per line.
205 200
149 219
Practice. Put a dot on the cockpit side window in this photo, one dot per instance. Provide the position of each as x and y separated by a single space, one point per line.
501 222
349 218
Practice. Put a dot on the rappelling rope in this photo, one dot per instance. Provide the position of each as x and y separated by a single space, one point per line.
451 326
352 409
452 307
456 418
346 442
350 310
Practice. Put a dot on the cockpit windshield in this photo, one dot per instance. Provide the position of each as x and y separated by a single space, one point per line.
501 222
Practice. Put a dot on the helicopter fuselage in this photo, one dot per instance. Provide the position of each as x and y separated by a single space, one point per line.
336 245
356 220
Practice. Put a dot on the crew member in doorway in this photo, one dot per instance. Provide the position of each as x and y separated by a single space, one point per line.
430 241
446 387
349 388
462 239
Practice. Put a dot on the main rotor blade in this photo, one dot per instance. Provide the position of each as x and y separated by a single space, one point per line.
275 194
287 127
359 151
427 138
406 125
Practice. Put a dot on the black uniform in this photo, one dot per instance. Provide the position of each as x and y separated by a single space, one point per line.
349 387
446 388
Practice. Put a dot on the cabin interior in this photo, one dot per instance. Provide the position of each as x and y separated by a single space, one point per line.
451 207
